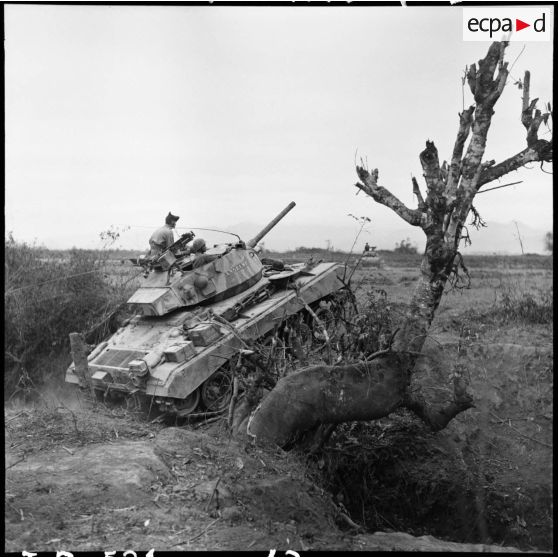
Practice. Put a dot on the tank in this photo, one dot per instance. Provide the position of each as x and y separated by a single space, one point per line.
194 314
371 258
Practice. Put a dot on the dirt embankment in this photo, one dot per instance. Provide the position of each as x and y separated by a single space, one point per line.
486 477
83 481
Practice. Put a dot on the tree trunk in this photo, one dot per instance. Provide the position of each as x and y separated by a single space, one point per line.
435 270
370 390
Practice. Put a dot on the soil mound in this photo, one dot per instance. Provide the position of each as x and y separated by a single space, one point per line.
179 490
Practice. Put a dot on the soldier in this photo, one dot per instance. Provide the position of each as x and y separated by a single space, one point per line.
198 246
163 237
198 251
367 247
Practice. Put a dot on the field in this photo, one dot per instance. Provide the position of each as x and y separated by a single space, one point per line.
84 478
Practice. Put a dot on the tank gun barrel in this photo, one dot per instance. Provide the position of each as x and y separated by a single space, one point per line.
270 225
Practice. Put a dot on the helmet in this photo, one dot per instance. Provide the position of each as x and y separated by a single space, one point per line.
170 218
199 245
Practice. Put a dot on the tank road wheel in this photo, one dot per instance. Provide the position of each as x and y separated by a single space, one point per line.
216 392
188 405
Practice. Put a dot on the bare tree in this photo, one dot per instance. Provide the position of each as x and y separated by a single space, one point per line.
320 395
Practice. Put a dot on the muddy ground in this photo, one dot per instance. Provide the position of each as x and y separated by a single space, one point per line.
80 478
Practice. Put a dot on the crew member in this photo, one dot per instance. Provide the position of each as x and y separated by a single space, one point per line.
163 237
198 246
198 250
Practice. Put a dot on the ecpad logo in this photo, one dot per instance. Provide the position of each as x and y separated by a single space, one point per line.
493 25
510 23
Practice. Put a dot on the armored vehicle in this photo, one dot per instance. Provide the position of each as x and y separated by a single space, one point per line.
195 313
371 258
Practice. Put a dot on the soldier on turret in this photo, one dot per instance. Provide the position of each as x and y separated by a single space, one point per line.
198 251
163 237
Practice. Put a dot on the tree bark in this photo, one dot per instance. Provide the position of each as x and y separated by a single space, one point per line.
329 394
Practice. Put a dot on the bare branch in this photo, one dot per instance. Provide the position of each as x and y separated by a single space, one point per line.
445 172
432 172
369 185
459 281
472 78
526 107
541 151
487 92
537 150
418 194
531 118
532 133
465 120
477 222
502 186
486 89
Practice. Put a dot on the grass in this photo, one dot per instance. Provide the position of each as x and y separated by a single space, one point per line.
515 304
392 259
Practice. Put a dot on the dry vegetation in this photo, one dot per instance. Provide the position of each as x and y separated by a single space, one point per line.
49 294
487 478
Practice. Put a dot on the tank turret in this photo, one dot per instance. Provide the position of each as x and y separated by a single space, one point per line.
191 279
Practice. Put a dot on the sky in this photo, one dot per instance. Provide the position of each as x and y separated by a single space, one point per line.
116 115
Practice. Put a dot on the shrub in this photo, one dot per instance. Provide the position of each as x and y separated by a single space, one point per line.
369 325
515 304
405 247
46 298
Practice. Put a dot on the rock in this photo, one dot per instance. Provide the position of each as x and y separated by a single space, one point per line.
403 542
216 492
109 473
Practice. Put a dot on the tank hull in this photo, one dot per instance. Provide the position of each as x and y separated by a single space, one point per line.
185 348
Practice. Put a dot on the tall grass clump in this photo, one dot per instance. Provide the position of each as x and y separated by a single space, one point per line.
46 297
527 306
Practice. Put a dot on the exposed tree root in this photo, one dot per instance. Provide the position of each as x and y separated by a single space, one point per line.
318 395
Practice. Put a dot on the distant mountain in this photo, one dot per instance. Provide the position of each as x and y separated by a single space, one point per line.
501 238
